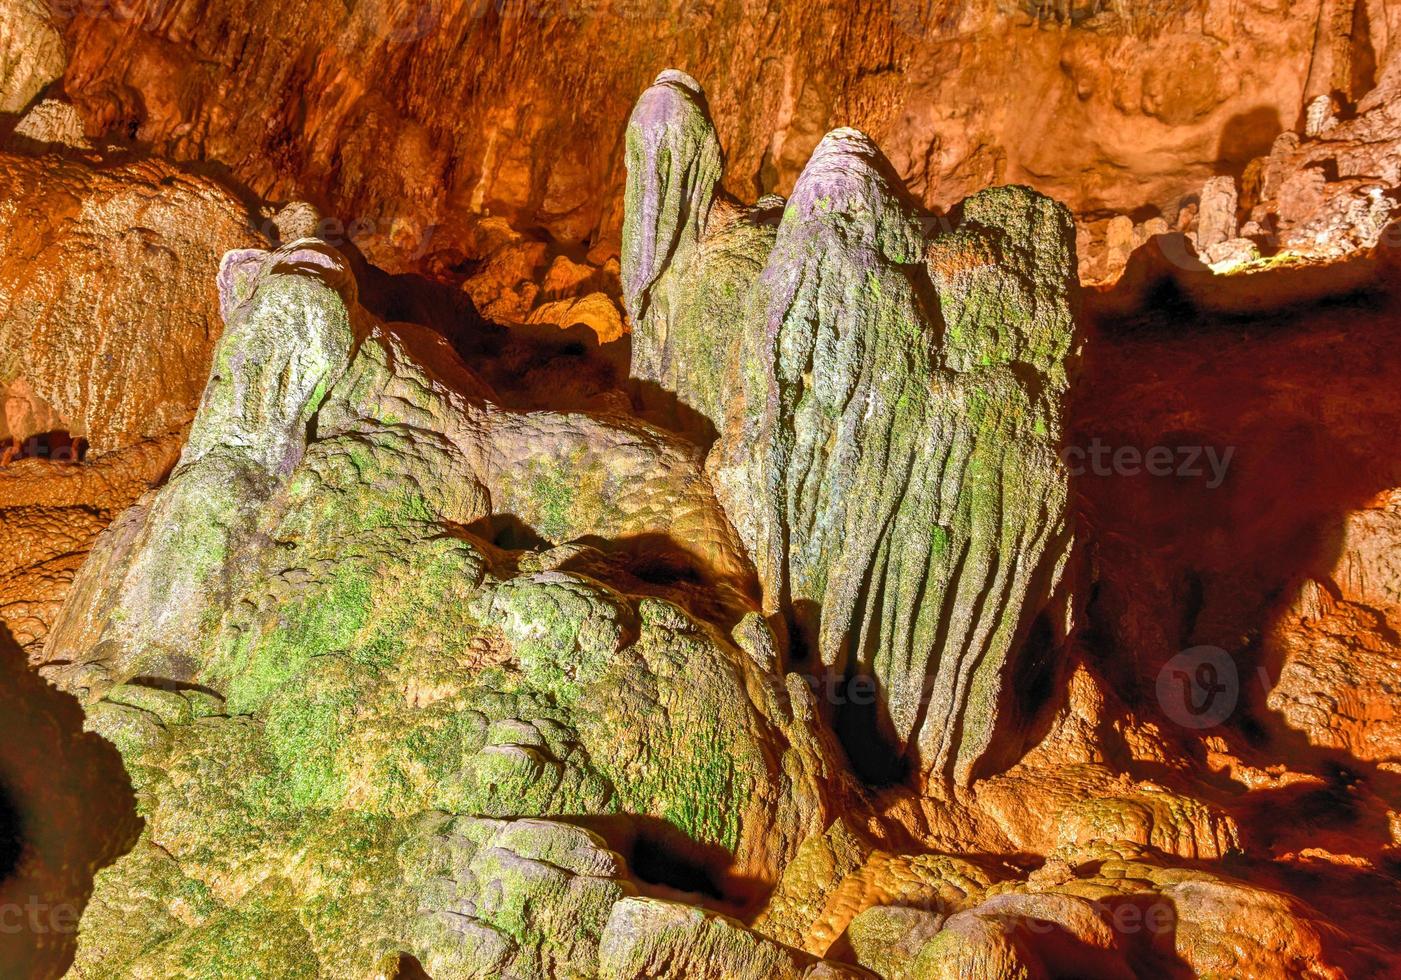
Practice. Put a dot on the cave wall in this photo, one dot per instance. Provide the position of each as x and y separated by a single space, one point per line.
413 118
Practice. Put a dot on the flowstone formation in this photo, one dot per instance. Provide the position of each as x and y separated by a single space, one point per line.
340 703
889 405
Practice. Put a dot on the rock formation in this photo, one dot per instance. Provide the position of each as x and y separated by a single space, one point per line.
304 599
394 606
107 325
889 405
111 359
1102 105
32 54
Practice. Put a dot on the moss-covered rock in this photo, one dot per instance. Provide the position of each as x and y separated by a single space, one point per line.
309 663
650 939
889 406
681 231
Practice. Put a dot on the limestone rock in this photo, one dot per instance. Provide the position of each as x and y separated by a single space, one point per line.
52 512
676 235
107 320
411 670
1327 193
297 220
522 898
1149 100
53 123
1320 116
1151 817
878 448
1216 214
307 602
287 341
885 938
32 52
1118 912
595 311
836 878
648 939
1335 683
107 311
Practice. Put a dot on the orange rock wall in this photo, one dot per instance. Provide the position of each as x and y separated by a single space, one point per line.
411 118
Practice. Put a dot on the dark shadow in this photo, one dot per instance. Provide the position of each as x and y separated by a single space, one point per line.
1032 696
666 863
528 366
1144 928
1166 289
55 445
664 409
658 864
659 565
507 532
1362 62
859 718
408 968
69 807
1245 136
1298 381
1147 927
11 842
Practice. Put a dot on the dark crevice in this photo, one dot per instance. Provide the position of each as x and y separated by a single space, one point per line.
56 445
11 835
874 760
665 569
408 968
508 532
656 863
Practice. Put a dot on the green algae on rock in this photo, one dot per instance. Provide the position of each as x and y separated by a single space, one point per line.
312 666
680 230
889 406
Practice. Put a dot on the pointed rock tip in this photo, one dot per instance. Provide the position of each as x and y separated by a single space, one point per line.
673 99
845 164
675 76
847 174
242 269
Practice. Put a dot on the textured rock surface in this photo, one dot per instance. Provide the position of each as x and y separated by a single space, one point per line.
1327 192
52 124
430 655
889 428
1103 105
108 319
1105 909
655 940
1338 669
1114 913
32 53
107 313
340 638
52 511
